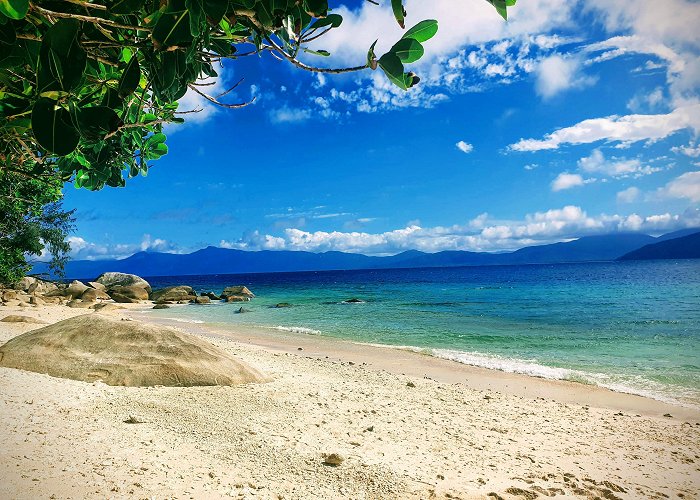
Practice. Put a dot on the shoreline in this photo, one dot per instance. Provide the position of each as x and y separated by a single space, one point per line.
409 362
405 425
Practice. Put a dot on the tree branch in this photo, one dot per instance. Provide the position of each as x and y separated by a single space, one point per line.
222 104
89 19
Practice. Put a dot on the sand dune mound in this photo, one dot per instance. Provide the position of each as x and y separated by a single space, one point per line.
95 347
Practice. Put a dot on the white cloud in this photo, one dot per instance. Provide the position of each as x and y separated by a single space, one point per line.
480 234
465 147
556 74
629 195
692 150
685 186
82 249
566 180
286 114
625 129
615 168
647 101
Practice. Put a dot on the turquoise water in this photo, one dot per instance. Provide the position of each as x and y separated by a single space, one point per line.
633 326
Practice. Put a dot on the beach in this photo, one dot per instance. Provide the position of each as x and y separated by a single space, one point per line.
338 420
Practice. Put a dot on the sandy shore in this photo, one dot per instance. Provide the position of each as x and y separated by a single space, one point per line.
406 426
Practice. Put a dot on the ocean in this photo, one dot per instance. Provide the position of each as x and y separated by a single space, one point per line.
629 326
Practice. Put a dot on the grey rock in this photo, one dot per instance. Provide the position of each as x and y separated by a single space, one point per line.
123 299
136 292
75 289
174 293
110 280
79 304
237 291
105 306
92 294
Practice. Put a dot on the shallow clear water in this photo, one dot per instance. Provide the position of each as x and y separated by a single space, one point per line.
631 326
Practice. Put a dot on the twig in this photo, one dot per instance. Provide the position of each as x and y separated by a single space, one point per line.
222 104
313 69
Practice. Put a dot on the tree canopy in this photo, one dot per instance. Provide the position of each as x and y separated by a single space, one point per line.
86 86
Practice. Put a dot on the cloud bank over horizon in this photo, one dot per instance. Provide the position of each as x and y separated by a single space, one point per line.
483 233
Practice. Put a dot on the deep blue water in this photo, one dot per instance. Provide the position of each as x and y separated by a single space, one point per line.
630 326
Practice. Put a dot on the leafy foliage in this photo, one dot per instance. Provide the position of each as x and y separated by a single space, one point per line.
86 86
32 220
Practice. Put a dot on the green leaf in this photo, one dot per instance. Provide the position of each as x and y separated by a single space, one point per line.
371 56
52 127
95 122
501 6
172 29
333 20
7 36
123 6
393 68
197 16
14 9
61 58
316 8
319 52
408 49
215 10
423 31
399 12
130 79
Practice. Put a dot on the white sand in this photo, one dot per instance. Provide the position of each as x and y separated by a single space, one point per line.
463 433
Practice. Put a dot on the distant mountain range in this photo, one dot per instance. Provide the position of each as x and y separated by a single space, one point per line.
212 260
685 247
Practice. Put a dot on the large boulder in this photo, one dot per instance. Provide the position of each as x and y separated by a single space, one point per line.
92 295
174 294
123 299
33 285
135 292
110 280
237 291
75 289
202 300
78 304
105 306
18 318
128 353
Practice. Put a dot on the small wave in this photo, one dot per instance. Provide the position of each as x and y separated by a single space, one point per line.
185 320
298 329
641 387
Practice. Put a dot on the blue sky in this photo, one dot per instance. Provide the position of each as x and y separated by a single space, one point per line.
573 118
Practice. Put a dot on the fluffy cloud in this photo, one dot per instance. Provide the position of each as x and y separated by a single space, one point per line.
289 115
465 147
82 249
685 186
481 234
629 195
615 168
626 129
556 74
692 150
566 180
